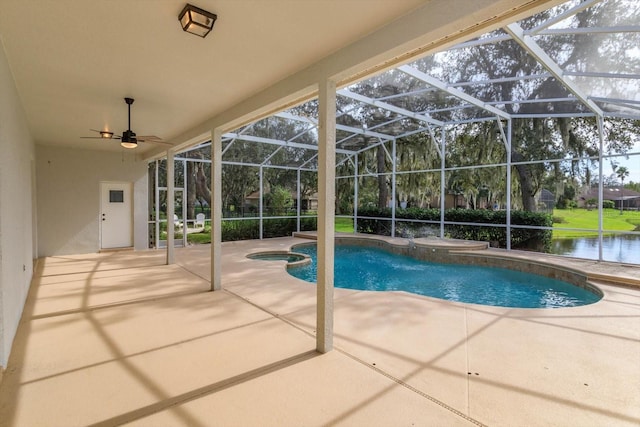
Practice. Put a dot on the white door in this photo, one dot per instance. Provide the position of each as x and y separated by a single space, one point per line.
116 217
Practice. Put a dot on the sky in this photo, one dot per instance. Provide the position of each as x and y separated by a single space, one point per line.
632 164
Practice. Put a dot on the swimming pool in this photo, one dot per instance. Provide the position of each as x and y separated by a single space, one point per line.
374 269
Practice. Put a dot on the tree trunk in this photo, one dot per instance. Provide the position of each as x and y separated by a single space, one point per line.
383 192
526 184
191 191
202 186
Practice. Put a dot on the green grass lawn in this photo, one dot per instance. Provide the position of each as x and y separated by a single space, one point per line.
583 218
199 238
344 225
571 218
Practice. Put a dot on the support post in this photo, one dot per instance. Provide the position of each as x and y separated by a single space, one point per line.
394 201
509 132
299 202
600 185
355 195
260 204
156 242
326 214
170 207
216 210
185 224
443 196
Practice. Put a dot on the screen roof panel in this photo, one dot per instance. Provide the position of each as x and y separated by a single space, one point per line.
580 58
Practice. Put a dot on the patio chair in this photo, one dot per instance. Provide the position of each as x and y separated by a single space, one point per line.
200 220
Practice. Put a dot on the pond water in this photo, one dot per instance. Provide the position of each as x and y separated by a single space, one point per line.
618 248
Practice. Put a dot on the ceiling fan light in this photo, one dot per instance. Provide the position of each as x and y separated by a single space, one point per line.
106 134
196 21
129 144
129 139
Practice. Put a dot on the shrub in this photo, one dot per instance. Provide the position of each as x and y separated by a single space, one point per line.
240 230
372 220
250 229
372 225
608 204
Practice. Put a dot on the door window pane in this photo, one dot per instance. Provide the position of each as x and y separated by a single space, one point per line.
116 196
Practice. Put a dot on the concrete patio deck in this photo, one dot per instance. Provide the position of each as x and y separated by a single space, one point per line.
119 338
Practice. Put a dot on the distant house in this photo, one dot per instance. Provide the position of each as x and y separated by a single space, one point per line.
453 201
629 199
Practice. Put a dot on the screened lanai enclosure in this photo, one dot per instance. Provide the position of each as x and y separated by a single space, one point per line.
527 137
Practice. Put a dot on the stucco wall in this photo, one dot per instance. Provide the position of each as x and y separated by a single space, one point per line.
16 210
68 197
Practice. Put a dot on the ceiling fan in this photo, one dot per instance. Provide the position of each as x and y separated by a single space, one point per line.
128 139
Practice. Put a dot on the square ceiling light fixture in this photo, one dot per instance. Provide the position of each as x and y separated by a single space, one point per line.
196 21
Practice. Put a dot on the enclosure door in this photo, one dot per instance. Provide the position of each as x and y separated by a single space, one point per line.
116 219
178 222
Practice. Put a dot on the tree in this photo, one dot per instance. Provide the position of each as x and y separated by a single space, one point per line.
418 152
279 200
635 186
542 137
197 179
622 172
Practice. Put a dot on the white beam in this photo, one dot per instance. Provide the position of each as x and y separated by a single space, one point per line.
600 185
501 79
263 140
170 206
326 215
443 164
258 165
452 91
216 210
509 146
603 75
589 30
567 13
270 156
480 42
623 116
543 115
527 43
310 160
389 107
365 132
354 130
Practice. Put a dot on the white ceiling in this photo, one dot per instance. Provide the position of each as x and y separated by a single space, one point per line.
75 60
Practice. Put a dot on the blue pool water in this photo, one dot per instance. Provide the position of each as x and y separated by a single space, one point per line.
374 269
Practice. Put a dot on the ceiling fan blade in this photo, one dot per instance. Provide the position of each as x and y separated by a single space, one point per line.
155 141
99 137
110 134
152 139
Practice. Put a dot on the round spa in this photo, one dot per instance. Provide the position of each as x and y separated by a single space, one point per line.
290 257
